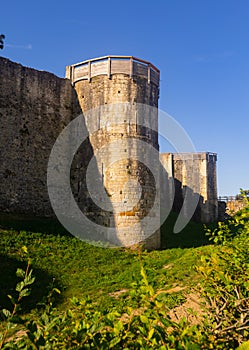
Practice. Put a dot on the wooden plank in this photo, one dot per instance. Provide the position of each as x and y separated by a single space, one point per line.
120 66
89 71
72 74
99 68
81 72
140 69
91 60
146 63
149 74
131 67
154 77
100 58
109 68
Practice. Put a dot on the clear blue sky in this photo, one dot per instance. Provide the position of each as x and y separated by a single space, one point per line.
200 46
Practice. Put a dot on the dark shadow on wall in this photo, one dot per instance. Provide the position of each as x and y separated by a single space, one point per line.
79 186
193 234
35 106
180 191
222 211
24 222
194 182
205 209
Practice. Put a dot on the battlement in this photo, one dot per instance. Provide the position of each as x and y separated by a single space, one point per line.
109 65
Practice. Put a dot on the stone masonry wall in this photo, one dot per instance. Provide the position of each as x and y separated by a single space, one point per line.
197 172
212 194
35 106
121 178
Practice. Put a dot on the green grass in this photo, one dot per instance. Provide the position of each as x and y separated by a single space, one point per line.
215 272
79 269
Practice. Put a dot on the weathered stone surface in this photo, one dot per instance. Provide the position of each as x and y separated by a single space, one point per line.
233 206
35 106
197 172
121 88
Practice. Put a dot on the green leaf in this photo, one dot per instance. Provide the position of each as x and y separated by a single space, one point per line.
144 319
244 346
151 332
24 293
20 273
119 326
56 290
25 249
6 313
29 280
20 286
114 342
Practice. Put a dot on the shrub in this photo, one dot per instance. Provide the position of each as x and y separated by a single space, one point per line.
147 325
225 284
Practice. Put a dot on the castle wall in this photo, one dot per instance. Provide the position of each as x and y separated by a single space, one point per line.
233 206
35 106
212 193
197 173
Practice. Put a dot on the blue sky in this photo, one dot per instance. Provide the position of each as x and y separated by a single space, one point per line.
200 46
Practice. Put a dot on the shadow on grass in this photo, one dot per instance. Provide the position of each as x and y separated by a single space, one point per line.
193 235
19 222
40 289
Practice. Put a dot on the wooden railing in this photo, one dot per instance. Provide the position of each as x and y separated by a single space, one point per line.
109 65
230 198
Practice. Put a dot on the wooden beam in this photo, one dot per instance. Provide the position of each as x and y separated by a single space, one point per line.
148 74
131 67
109 67
89 71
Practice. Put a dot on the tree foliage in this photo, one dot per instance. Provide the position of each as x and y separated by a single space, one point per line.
2 37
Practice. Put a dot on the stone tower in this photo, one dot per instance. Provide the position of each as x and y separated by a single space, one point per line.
119 99
197 173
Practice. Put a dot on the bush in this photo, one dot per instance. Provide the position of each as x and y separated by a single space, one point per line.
225 284
147 325
82 327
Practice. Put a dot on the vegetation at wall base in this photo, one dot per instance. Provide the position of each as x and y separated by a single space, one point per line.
96 298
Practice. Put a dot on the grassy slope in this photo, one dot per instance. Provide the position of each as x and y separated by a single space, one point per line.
79 269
